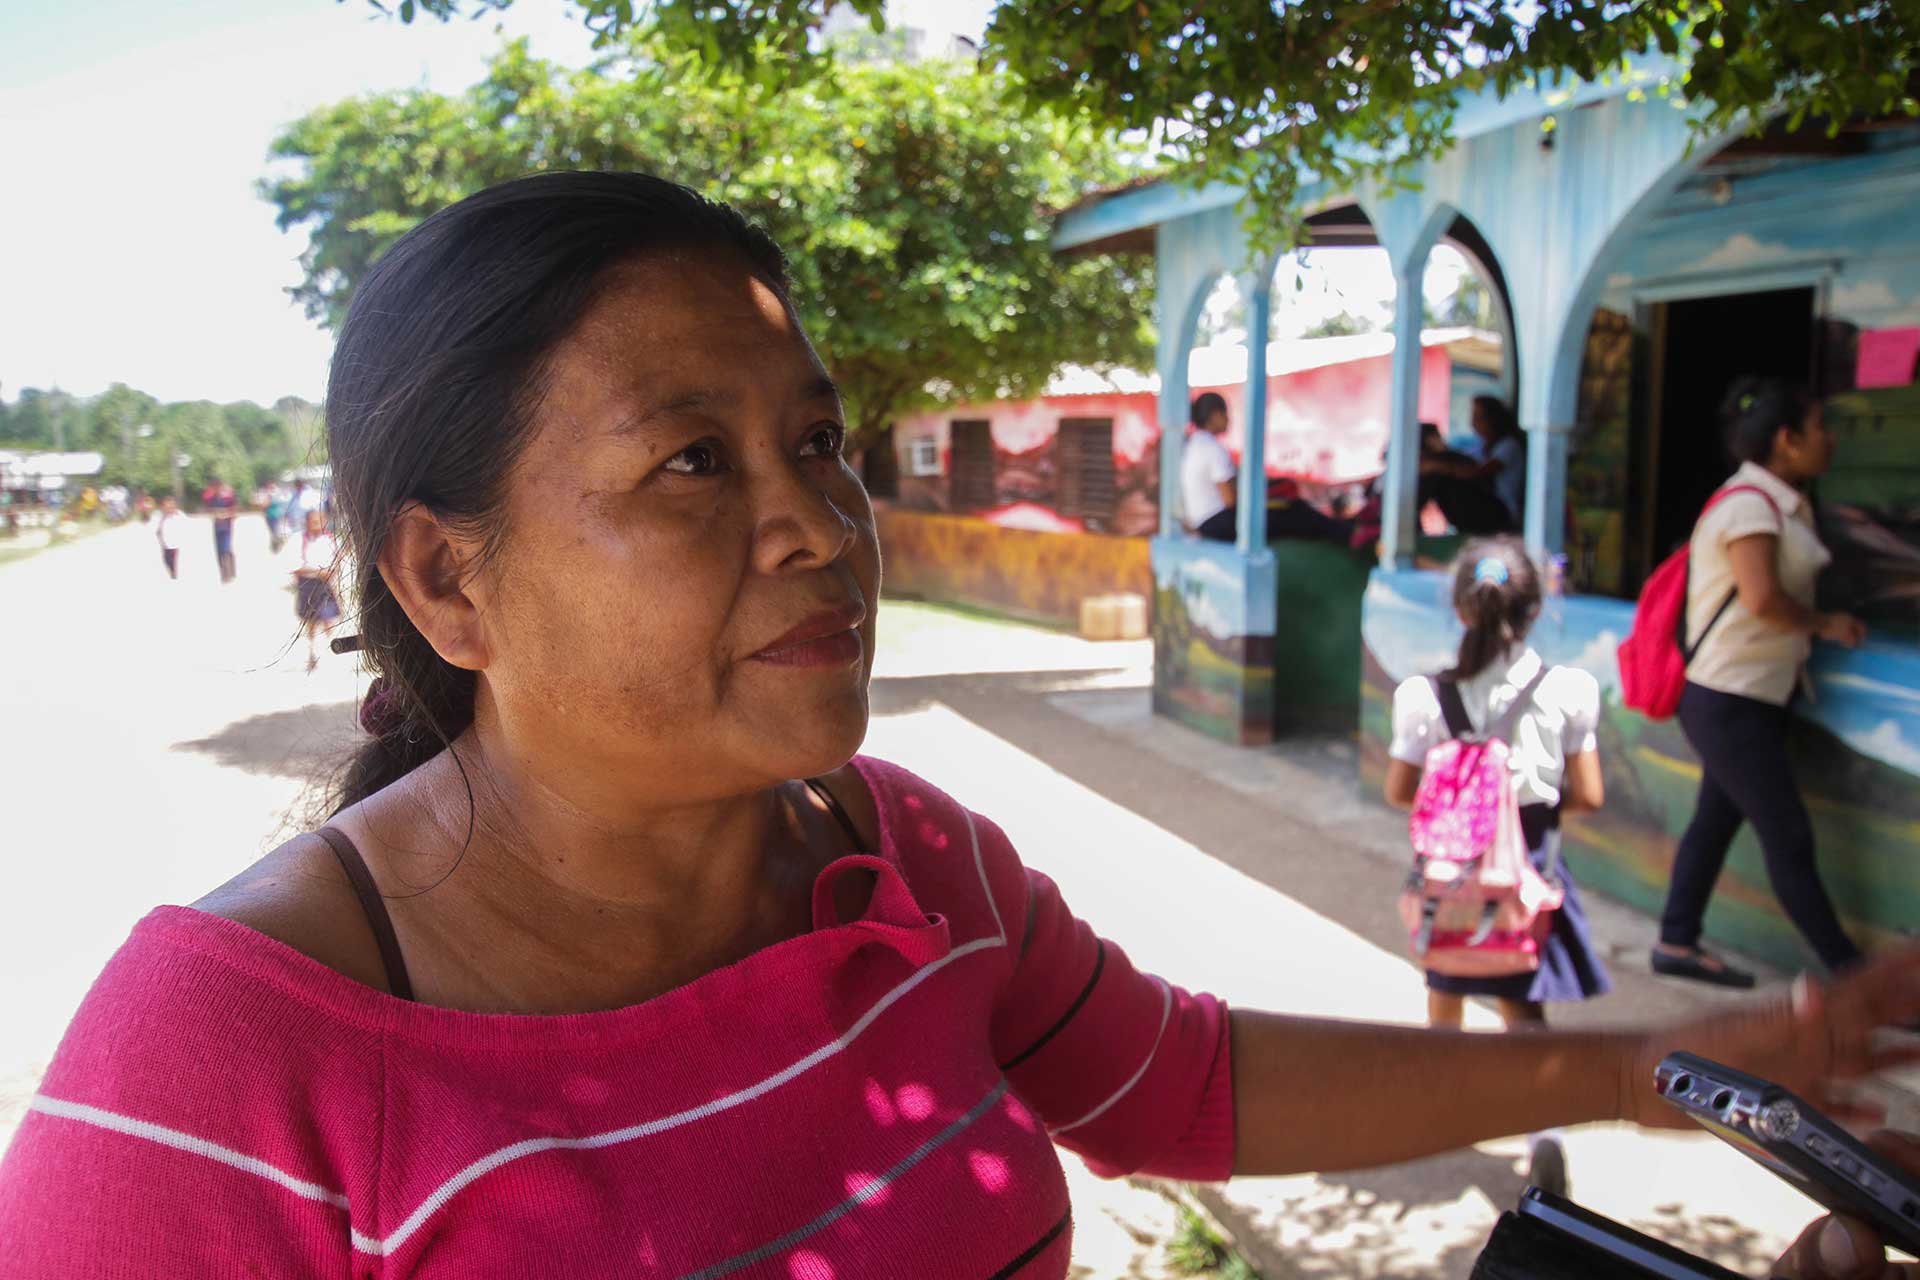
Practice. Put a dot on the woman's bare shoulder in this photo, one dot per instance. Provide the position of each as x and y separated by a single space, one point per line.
299 895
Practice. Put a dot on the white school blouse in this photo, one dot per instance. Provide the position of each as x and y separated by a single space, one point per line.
1562 722
1745 655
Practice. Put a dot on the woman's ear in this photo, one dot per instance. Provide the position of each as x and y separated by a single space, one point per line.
426 566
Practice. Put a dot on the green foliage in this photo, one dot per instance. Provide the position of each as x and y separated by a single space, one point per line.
1341 324
240 442
911 203
1260 93
1198 1249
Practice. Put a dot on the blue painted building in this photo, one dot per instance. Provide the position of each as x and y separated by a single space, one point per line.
1639 265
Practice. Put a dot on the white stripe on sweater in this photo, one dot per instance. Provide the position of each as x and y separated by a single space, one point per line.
486 1164
113 1120
1166 1010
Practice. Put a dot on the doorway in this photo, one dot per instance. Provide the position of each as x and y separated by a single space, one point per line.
1701 345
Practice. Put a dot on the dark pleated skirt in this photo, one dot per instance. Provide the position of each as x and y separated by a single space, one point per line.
1570 965
314 601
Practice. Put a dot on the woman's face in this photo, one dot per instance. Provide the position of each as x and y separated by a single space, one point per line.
1810 452
316 521
683 605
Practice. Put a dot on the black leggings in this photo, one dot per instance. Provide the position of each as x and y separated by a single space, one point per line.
1745 774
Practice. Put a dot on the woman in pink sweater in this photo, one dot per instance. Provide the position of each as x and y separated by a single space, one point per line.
615 959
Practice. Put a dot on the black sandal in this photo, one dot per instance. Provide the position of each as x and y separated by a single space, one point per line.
1693 966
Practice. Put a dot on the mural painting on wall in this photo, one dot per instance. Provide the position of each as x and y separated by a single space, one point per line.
1858 345
1856 753
1327 408
1212 672
1599 457
1026 467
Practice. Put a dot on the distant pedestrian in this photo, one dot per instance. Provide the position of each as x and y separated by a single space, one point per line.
169 533
315 602
1207 472
1754 561
223 503
277 502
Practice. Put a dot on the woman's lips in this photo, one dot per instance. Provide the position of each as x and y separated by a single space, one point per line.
830 639
840 649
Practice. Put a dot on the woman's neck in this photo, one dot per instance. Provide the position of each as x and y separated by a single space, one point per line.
542 904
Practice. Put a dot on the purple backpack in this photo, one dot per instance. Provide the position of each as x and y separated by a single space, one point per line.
1474 905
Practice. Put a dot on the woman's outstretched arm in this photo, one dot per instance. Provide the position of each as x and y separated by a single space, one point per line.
1312 1094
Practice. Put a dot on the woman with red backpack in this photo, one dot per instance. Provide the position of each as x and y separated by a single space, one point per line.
1548 718
1754 560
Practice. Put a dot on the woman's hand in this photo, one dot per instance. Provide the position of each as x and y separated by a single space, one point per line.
1807 1042
1840 628
1842 1248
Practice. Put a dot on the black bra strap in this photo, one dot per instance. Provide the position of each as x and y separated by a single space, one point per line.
819 788
376 910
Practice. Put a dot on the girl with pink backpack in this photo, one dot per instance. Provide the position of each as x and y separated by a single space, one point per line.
1498 713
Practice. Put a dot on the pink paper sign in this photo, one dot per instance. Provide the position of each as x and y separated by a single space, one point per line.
1886 357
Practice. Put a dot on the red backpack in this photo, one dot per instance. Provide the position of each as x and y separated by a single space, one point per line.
1654 656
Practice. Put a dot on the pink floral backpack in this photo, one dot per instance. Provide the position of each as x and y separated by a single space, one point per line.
1474 905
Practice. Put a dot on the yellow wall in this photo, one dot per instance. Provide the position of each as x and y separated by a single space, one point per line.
962 560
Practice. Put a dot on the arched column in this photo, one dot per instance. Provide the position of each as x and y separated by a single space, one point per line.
1251 533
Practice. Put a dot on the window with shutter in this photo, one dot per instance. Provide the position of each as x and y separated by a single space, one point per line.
970 459
881 467
1088 491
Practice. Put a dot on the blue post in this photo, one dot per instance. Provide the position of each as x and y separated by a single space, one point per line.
1251 536
1546 522
1400 514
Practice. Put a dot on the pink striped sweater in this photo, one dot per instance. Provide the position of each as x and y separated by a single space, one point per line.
872 1098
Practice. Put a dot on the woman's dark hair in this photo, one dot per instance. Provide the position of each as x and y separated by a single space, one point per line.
1504 423
1205 405
1496 590
436 377
1756 408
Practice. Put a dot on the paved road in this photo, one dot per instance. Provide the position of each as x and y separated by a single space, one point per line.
156 736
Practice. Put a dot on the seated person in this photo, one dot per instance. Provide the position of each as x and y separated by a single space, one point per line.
1484 496
1291 515
1207 472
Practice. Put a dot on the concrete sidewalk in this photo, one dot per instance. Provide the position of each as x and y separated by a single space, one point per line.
1267 877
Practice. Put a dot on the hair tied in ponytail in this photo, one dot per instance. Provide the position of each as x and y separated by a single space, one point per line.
1491 569
380 711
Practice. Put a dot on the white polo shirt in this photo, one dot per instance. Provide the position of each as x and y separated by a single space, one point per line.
1744 655
1204 463
1562 722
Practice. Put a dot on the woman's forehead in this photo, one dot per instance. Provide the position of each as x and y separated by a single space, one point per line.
670 327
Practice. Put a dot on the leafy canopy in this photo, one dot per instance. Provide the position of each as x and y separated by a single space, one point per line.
139 436
910 202
1261 92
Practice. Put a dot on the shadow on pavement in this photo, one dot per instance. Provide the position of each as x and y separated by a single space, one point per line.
307 743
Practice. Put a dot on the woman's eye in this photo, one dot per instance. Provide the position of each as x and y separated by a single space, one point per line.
701 459
824 441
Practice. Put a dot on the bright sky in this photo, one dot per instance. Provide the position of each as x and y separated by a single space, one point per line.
132 246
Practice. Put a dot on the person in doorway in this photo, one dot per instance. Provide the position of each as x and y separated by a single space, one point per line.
1208 501
615 946
1487 495
1549 717
1755 558
314 599
223 504
169 534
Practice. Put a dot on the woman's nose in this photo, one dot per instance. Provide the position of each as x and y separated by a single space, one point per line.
802 526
